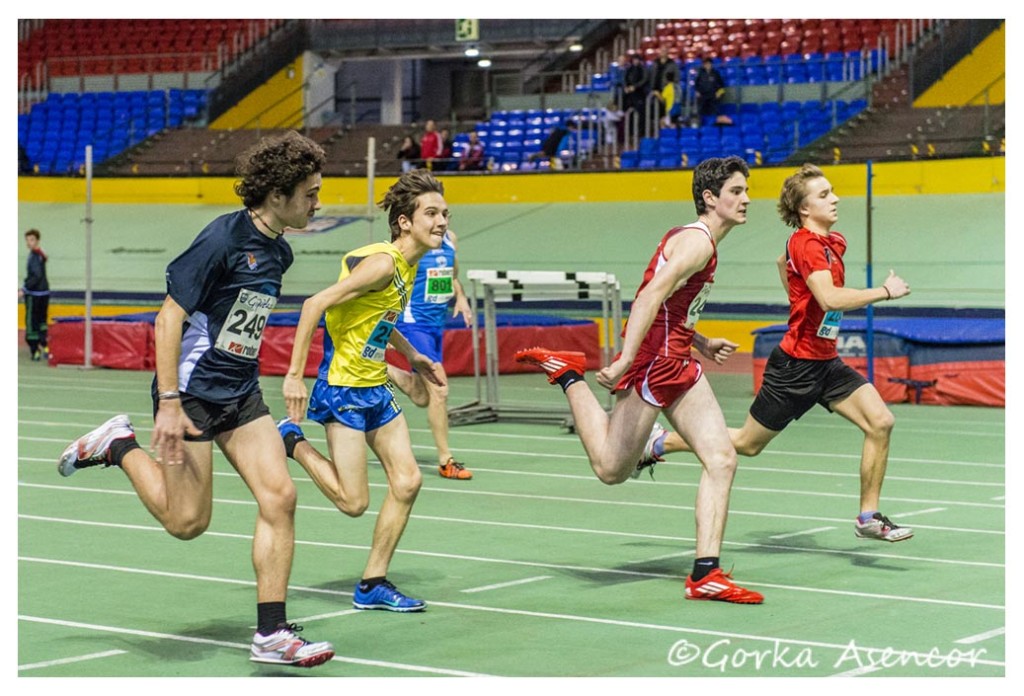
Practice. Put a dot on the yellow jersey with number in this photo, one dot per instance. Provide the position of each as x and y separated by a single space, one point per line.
361 328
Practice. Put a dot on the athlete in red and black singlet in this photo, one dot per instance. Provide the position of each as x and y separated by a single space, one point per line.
671 332
807 253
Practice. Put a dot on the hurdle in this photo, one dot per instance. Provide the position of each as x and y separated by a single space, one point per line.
490 286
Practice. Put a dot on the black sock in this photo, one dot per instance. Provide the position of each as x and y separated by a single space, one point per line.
270 616
367 584
290 440
568 378
703 566
120 447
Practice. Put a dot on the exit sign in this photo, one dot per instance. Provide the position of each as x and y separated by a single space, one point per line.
467 29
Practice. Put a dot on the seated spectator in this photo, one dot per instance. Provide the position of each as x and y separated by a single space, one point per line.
473 157
409 153
549 149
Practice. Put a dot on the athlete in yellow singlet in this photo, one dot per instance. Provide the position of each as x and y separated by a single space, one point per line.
353 398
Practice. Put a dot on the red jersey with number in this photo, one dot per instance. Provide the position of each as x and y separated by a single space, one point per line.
812 331
671 333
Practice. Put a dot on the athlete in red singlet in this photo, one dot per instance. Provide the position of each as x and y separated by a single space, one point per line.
656 373
805 368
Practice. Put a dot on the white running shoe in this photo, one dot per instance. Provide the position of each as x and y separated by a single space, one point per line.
285 647
882 528
94 448
649 458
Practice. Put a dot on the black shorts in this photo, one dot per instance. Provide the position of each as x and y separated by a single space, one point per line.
214 419
792 386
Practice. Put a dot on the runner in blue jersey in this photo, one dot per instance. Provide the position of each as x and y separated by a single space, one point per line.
220 292
422 323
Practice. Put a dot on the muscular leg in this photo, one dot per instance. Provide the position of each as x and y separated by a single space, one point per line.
257 453
866 409
698 418
749 440
434 397
342 478
392 446
613 443
180 497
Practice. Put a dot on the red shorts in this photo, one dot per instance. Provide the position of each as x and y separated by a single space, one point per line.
661 381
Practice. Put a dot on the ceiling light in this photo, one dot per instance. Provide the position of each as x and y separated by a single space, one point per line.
576 47
472 52
484 62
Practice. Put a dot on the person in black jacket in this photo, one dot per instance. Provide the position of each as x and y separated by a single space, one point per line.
637 85
709 86
36 294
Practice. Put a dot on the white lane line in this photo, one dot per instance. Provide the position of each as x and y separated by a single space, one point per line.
867 669
796 534
502 585
920 512
665 557
70 660
502 561
242 646
982 636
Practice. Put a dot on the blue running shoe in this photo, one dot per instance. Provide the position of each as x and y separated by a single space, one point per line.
386 596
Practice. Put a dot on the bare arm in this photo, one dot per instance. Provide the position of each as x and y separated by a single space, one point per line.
170 423
841 299
461 301
373 273
421 363
783 275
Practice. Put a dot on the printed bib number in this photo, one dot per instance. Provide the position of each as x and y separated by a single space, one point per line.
829 326
697 306
377 344
242 332
440 285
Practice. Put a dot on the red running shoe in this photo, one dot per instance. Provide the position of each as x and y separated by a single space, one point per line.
555 362
718 585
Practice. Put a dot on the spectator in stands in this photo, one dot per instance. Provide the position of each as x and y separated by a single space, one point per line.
431 147
617 78
709 87
549 149
805 369
409 153
664 78
35 291
611 121
637 85
445 162
473 156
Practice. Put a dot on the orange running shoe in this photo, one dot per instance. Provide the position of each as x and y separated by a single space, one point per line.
718 585
555 362
454 470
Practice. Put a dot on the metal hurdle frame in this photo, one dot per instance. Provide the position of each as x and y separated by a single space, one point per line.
526 286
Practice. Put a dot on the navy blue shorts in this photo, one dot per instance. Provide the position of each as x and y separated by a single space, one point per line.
427 340
214 419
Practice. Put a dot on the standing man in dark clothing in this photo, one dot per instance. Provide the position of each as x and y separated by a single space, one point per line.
637 85
665 71
36 294
709 86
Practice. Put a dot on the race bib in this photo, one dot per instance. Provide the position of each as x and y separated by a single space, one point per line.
697 306
242 332
829 326
440 285
377 344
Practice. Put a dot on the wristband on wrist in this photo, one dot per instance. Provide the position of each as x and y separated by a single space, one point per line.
168 396
888 295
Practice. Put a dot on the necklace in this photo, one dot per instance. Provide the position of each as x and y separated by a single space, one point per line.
260 218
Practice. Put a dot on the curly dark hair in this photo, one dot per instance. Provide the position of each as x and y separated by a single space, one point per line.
276 164
794 190
711 175
401 197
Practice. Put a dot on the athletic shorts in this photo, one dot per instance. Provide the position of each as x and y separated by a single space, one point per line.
214 419
661 381
359 408
427 340
792 386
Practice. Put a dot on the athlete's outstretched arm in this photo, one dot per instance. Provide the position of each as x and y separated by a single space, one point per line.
841 299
